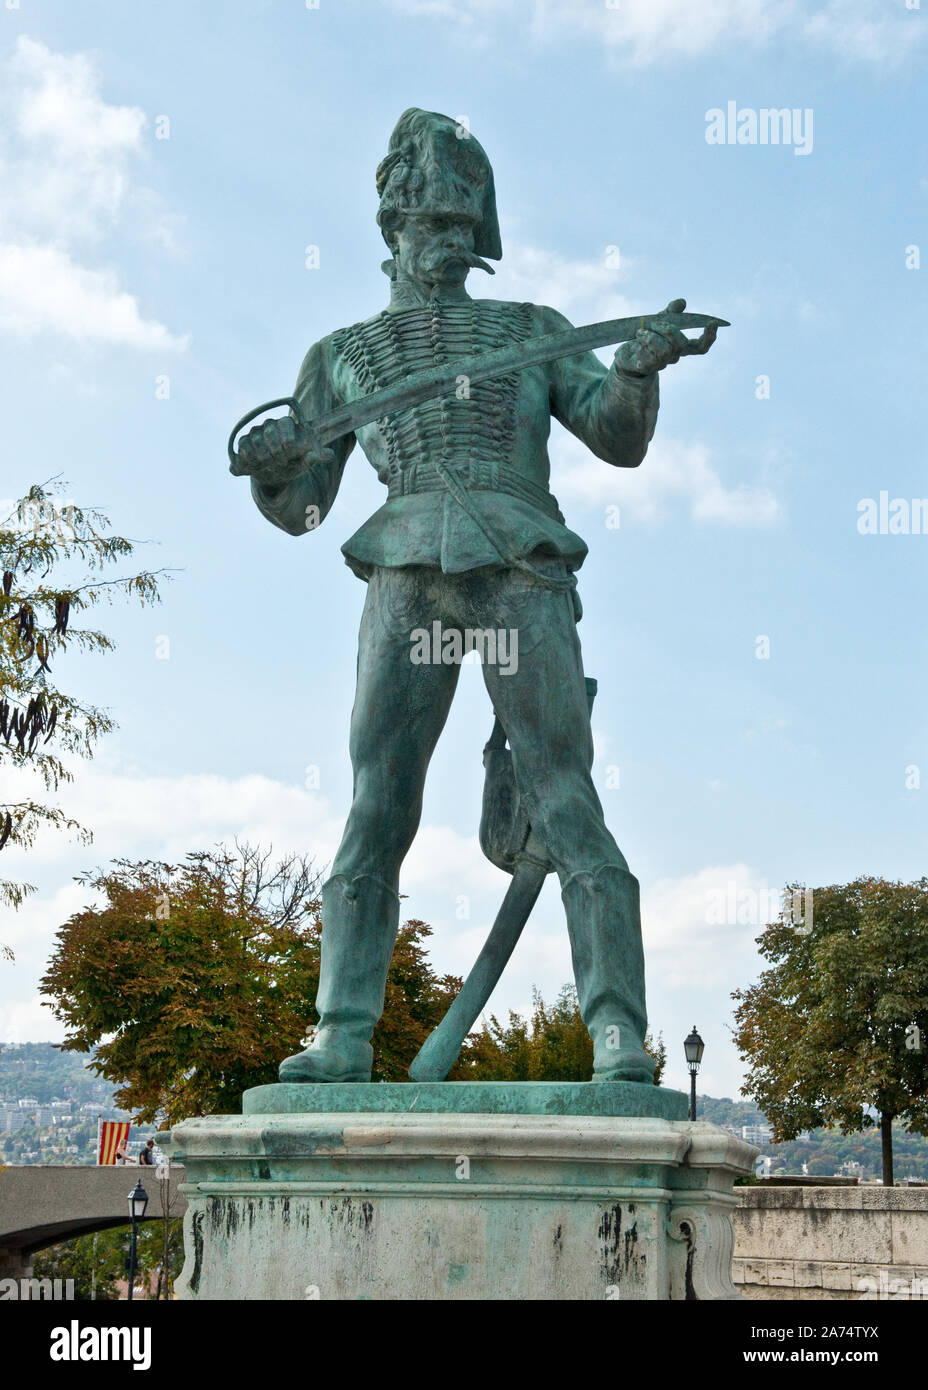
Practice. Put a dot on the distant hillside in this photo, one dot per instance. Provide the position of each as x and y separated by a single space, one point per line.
42 1071
729 1112
825 1150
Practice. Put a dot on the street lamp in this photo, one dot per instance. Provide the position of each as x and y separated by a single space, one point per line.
694 1047
138 1201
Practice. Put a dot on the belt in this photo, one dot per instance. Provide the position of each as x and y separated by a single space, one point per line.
475 474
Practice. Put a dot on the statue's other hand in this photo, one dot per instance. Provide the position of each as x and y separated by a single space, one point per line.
277 451
660 344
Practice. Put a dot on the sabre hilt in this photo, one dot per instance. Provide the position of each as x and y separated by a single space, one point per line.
295 409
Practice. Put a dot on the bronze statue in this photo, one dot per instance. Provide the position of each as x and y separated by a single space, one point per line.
451 399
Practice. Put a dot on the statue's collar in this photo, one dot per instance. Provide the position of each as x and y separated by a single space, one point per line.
406 294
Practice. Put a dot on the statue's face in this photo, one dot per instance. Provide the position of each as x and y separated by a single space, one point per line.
435 248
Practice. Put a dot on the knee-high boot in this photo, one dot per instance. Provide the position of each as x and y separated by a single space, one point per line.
360 917
604 924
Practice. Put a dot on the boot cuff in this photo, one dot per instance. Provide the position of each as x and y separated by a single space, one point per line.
592 879
351 887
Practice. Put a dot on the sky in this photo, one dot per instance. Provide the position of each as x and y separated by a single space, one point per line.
189 203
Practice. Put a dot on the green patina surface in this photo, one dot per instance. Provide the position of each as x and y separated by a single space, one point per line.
611 1098
470 540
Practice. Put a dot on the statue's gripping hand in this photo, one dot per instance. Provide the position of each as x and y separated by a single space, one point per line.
276 452
654 348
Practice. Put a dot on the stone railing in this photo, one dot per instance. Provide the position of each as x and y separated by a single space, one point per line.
831 1242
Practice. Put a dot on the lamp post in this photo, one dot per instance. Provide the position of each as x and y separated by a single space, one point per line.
694 1047
138 1201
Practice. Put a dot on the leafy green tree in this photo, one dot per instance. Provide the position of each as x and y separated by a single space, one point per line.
836 1029
50 554
98 1263
191 982
553 1045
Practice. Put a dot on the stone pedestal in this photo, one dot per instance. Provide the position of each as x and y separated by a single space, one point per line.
458 1191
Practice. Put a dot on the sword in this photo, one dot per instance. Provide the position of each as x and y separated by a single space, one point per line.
441 1049
529 867
438 381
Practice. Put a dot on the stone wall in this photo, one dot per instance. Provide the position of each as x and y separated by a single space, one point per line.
14 1264
831 1242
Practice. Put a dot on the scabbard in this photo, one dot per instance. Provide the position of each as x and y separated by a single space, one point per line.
439 1052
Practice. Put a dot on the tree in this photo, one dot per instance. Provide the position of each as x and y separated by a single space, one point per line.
553 1045
50 553
98 1263
191 982
836 1029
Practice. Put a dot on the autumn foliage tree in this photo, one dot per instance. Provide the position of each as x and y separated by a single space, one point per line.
552 1045
52 558
835 1031
190 982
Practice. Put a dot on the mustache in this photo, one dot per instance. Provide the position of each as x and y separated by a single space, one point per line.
389 267
468 257
477 263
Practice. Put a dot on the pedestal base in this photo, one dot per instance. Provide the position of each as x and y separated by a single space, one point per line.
562 1195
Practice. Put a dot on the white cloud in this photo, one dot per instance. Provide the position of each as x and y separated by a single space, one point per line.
439 9
587 291
687 946
861 29
67 162
38 918
643 32
583 290
649 31
672 472
61 103
164 817
30 933
29 1021
43 290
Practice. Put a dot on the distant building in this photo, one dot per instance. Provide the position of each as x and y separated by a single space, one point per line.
757 1134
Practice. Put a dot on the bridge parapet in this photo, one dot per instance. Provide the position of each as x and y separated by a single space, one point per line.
42 1204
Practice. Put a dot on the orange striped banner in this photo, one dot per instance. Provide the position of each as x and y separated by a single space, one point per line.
112 1134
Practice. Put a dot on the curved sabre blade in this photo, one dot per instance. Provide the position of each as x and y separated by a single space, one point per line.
436 381
439 1052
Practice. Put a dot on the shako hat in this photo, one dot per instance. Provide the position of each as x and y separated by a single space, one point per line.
434 165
